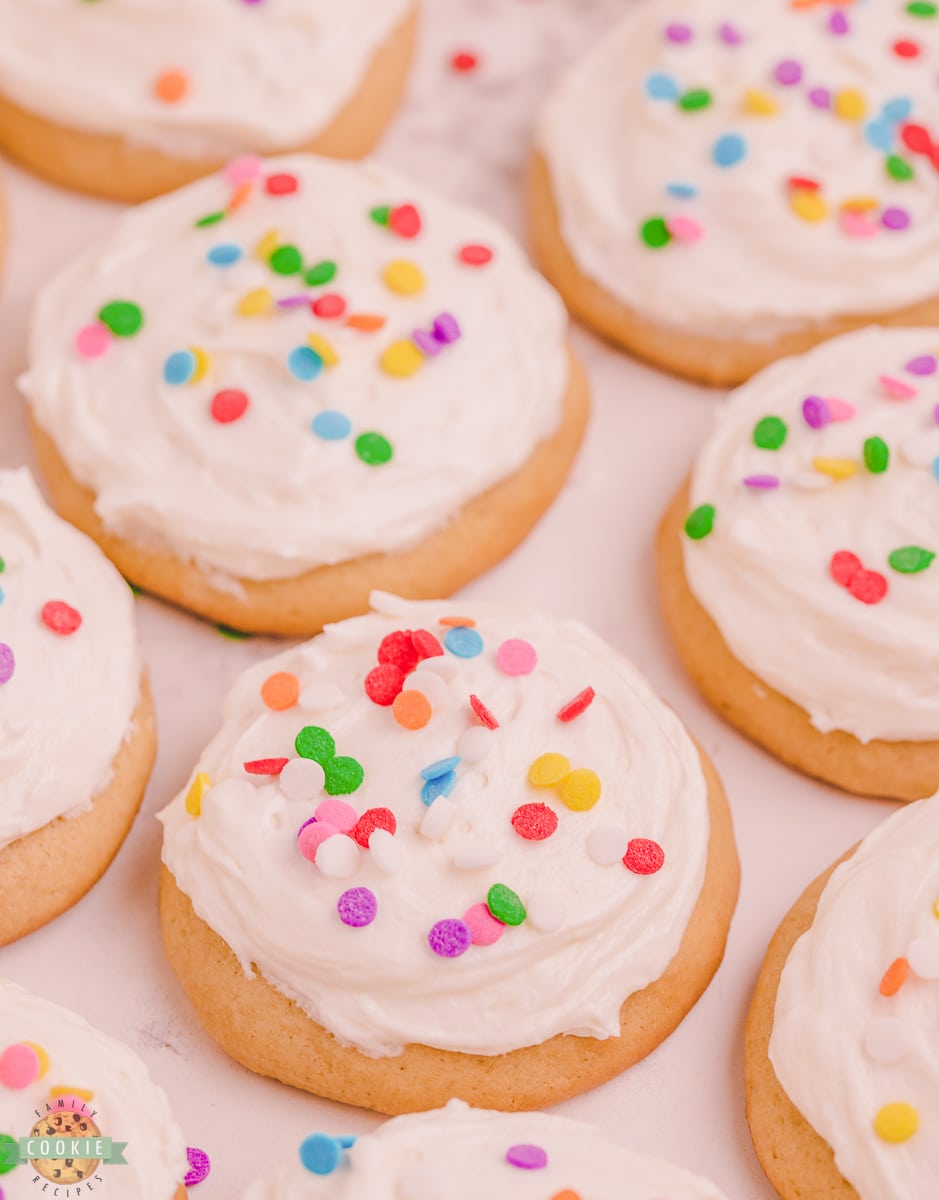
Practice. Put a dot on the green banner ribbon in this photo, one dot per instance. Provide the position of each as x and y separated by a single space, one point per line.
43 1148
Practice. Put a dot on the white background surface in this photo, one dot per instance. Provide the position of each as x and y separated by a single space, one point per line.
590 558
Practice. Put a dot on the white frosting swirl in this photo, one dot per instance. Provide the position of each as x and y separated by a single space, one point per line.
458 1152
764 573
831 1050
612 932
53 763
127 1104
759 270
264 496
265 74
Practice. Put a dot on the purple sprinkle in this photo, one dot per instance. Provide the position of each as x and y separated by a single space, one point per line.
764 482
450 938
820 97
678 32
788 72
446 330
935 414
357 907
528 1158
816 412
838 24
293 301
730 35
7 663
199 1166
308 821
895 218
426 342
925 364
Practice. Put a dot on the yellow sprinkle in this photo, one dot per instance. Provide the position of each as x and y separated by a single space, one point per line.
860 203
935 908
197 790
41 1055
256 303
402 359
850 105
81 1093
760 103
896 1122
324 348
581 789
202 364
404 277
836 468
548 770
808 205
267 245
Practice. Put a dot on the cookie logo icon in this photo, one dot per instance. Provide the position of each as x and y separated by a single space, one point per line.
65 1129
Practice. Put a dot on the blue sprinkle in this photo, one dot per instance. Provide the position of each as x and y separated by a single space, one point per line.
463 641
224 255
304 363
320 1153
879 133
331 426
662 87
347 1141
899 109
180 367
441 786
441 767
729 150
682 191
935 467
2 596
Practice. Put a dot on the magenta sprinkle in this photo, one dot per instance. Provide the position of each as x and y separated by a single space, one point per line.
426 342
450 938
308 821
199 1166
357 907
816 412
7 663
678 32
446 329
788 72
730 35
294 301
528 1158
763 482
820 97
925 364
838 23
895 218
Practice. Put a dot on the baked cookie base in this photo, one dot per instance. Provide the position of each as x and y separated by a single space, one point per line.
480 535
115 168
798 1162
259 1027
717 361
49 870
896 770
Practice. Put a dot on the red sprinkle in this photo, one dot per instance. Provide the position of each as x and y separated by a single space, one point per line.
405 220
228 405
464 60
483 713
844 566
906 49
643 857
799 183
282 184
579 704
266 766
61 617
329 306
370 820
869 587
399 648
383 684
426 644
475 255
916 138
534 822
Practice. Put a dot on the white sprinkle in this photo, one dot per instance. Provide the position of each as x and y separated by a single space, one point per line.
923 956
475 744
446 668
319 697
338 857
887 1040
386 851
389 604
474 858
302 779
432 686
607 844
438 818
545 911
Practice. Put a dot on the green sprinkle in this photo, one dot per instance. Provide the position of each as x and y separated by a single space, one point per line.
122 317
654 233
286 260
910 560
381 215
3 566
921 8
770 433
505 905
134 589
8 1160
343 775
695 100
210 219
373 449
322 272
233 635
898 168
876 455
700 522
317 743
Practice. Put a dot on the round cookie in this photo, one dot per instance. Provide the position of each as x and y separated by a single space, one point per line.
62 1079
78 737
720 183
796 568
127 100
262 414
842 1077
497 797
460 1152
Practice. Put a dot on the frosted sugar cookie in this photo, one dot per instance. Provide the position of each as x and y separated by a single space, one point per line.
797 567
130 98
722 182
842 1075
61 1080
298 380
460 1152
77 737
446 852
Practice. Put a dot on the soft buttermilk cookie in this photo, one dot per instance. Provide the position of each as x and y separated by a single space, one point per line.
439 853
77 737
130 98
722 182
298 380
460 1153
842 1072
62 1080
797 568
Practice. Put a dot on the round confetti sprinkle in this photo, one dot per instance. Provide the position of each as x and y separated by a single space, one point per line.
265 766
441 785
336 812
373 449
338 858
281 184
122 317
92 341
450 938
312 835
441 767
896 219
815 412
433 687
516 657
475 255
302 779
228 405
808 206
286 260
896 1122
534 822
899 169
729 150
171 86
320 1154
770 433
179 368
344 775
483 713
660 86
437 819
923 956
695 100
331 426
788 72
199 1166
505 905
463 642
910 560
527 1158
321 273
925 364
655 233
922 8
401 359
578 705
844 566
643 857
405 221
411 709
606 845
850 105
484 928
60 617
426 645
685 229
399 648
548 770
383 683
700 522
876 455
19 1067
357 907
887 1040
281 690
904 48
581 789
820 97
316 743
225 255
869 587
404 277
304 363
329 307
370 820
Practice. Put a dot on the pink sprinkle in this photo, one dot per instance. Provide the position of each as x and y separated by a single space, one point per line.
312 836
482 925
897 389
92 341
762 482
337 814
293 301
246 168
840 410
426 342
19 1065
516 657
858 225
685 229
199 1166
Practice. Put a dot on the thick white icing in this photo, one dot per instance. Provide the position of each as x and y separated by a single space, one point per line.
764 573
759 270
127 1104
457 1152
875 908
265 75
68 705
265 497
380 987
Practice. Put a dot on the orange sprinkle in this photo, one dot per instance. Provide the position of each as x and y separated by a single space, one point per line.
411 709
239 196
280 691
566 1194
171 86
894 977
460 622
366 322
